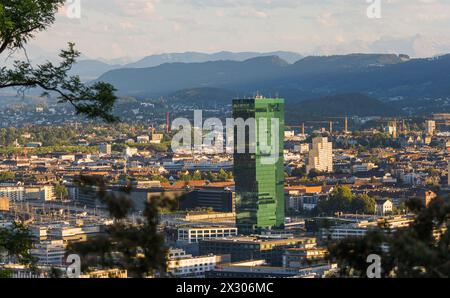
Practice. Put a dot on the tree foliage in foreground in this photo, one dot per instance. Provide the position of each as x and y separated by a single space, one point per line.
15 243
421 250
19 23
137 247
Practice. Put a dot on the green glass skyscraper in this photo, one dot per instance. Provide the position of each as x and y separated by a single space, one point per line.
259 182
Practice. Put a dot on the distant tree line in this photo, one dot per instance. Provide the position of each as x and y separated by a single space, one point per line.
341 199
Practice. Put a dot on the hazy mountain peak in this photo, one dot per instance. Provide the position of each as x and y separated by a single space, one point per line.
275 60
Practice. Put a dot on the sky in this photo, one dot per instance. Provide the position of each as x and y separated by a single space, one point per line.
113 29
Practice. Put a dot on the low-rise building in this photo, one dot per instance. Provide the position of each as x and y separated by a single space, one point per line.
360 229
252 247
143 139
181 264
106 273
69 233
49 252
196 234
301 257
383 207
259 269
105 148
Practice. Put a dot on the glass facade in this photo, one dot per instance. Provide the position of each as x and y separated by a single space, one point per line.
259 184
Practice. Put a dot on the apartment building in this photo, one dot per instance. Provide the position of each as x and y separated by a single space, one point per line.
195 235
320 157
21 193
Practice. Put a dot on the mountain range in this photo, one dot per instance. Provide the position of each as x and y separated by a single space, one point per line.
409 86
90 69
373 82
306 78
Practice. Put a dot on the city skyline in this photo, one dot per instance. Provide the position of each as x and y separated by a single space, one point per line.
341 172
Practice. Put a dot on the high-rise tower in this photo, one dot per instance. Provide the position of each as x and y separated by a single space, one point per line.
259 182
320 157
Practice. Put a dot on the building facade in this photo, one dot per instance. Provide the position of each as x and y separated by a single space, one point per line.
430 126
320 157
194 235
219 200
49 252
182 265
259 184
105 148
252 248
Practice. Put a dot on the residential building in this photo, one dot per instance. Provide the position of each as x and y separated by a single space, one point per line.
363 167
157 138
383 207
13 193
105 148
143 139
430 127
21 193
130 151
320 157
302 148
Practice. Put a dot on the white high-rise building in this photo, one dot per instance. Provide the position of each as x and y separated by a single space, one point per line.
391 129
430 126
320 157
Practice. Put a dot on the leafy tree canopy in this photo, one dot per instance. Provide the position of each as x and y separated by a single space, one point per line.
342 200
421 250
19 23
138 247
16 242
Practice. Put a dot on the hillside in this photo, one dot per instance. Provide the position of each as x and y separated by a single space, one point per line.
309 77
202 96
169 78
196 57
91 69
341 105
414 86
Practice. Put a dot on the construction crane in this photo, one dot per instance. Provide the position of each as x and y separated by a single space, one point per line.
302 127
330 124
345 122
